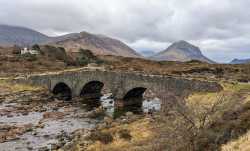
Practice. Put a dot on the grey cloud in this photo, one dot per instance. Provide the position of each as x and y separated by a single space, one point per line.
220 28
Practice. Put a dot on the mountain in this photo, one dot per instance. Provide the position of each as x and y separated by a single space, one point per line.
240 61
13 35
181 51
99 44
147 53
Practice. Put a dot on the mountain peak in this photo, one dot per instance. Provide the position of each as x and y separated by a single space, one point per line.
182 51
85 33
240 61
182 42
98 44
235 59
185 46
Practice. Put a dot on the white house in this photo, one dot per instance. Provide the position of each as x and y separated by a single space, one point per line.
30 51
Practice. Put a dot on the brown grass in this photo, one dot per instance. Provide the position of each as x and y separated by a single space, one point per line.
15 88
228 124
241 144
139 131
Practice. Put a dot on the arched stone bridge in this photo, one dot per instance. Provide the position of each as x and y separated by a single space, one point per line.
121 84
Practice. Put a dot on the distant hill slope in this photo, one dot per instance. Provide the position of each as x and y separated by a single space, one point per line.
148 53
99 44
13 35
181 51
240 61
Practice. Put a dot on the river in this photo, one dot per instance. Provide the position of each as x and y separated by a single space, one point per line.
46 132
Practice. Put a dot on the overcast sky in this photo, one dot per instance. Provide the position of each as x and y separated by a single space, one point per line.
221 28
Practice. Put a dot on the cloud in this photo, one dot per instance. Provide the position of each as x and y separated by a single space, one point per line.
220 28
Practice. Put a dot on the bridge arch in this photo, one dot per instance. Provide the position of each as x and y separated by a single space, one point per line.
62 91
92 90
135 93
134 97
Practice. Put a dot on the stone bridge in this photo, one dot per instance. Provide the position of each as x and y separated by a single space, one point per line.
122 85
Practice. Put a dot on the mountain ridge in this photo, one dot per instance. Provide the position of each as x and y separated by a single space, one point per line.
16 35
240 61
99 44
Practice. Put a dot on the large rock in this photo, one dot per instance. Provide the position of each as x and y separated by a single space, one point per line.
53 115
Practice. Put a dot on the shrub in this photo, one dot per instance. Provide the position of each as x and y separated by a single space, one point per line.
29 57
99 62
103 137
82 61
58 53
125 134
16 50
86 56
195 61
36 47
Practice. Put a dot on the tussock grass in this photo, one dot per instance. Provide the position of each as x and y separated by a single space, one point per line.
241 144
236 87
205 122
138 131
15 88
229 91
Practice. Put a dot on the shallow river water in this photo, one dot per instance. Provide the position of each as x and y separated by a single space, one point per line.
49 134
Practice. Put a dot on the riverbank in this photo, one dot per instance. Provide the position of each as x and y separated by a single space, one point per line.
206 120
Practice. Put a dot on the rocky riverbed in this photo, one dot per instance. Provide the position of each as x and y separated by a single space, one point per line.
37 121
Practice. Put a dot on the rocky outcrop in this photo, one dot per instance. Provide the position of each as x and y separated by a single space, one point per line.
8 132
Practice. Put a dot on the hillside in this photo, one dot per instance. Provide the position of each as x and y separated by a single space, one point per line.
99 44
12 35
181 51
